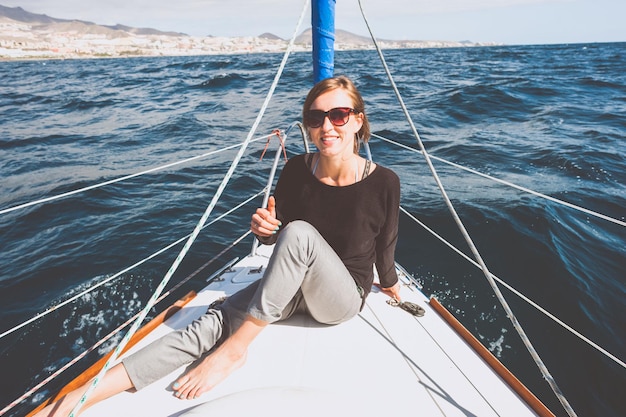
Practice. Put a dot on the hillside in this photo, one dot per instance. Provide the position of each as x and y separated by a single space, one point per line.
29 35
42 21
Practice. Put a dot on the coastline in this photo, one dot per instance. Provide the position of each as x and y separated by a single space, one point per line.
76 40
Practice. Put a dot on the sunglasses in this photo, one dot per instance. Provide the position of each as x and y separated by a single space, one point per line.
338 116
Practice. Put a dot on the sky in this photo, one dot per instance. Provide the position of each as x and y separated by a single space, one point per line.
511 22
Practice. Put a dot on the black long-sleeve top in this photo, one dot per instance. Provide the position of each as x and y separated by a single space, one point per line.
359 221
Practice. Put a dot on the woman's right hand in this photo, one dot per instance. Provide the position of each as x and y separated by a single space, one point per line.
264 222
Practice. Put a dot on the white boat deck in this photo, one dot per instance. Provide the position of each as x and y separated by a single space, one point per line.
383 362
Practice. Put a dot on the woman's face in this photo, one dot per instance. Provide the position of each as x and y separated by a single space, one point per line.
333 140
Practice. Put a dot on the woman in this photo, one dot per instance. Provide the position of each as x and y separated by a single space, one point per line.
334 215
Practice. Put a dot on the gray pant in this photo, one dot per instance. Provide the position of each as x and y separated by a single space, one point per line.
303 275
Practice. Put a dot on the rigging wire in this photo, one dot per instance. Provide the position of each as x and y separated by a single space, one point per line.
467 237
510 184
519 294
198 227
100 342
432 156
445 161
125 270
124 178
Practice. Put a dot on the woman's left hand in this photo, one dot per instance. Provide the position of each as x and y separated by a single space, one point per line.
393 292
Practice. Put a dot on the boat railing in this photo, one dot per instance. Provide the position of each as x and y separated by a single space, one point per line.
281 150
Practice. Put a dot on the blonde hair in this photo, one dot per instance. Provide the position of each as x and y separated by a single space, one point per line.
358 104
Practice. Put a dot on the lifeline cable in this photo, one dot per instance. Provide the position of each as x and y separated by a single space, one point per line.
510 184
119 328
519 294
509 312
123 271
203 219
115 180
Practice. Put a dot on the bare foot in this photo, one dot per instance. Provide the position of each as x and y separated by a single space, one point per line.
211 371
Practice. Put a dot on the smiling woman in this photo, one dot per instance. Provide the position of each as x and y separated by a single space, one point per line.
329 226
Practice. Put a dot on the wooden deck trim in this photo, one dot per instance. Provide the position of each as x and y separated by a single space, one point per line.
488 357
93 370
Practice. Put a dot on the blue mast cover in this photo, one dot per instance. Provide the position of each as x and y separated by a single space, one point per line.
323 34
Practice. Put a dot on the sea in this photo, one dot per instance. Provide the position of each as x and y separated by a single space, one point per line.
549 118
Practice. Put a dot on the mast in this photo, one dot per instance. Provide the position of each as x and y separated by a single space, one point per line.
323 37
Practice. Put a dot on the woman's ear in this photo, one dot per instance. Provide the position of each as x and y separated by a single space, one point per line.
359 118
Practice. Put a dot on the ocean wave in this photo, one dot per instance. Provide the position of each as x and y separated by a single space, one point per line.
78 104
224 81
